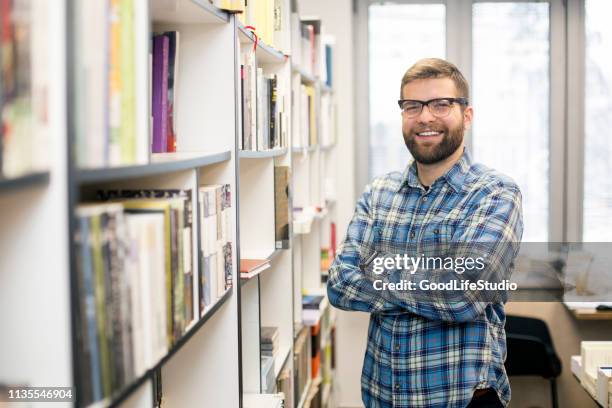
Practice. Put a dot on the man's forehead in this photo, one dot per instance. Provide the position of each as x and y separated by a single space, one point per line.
429 88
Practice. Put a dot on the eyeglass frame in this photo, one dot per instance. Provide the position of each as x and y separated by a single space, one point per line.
460 101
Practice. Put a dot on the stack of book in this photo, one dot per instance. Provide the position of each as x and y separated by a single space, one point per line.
24 87
269 341
134 287
216 241
164 83
177 207
312 308
301 362
112 116
264 122
252 267
138 289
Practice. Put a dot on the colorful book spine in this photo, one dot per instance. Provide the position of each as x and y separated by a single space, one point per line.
128 81
114 82
173 42
161 47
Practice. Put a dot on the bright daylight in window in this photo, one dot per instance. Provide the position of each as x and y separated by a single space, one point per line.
597 209
399 35
510 79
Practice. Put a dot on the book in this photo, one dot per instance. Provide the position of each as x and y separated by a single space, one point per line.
184 278
173 58
282 179
112 81
312 309
122 278
24 82
216 243
127 84
301 361
161 49
252 267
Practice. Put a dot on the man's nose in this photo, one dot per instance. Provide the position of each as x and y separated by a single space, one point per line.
425 116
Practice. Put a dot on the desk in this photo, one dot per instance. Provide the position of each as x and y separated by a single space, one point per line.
584 311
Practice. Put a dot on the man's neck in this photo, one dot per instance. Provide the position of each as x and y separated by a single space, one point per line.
429 173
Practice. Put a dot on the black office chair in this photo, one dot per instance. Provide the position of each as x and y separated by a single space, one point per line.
531 351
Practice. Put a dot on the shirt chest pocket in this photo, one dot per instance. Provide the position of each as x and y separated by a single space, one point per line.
401 239
435 239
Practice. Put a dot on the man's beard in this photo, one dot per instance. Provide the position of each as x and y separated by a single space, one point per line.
451 140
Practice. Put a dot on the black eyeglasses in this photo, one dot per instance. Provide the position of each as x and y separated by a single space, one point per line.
439 107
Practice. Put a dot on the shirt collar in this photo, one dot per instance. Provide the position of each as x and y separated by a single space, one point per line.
455 176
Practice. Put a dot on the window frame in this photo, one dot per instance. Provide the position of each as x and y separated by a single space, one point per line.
565 181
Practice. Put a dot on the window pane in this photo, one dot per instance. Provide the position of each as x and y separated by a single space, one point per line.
511 101
598 122
399 35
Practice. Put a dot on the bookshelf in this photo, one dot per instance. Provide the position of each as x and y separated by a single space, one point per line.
98 147
21 182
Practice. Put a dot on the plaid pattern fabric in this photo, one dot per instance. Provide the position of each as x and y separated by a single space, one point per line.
429 353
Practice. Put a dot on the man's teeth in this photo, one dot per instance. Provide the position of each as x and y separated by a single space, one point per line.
428 133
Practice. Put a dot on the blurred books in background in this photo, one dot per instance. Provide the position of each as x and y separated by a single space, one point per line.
24 87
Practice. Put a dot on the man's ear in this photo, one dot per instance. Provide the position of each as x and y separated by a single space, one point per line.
468 115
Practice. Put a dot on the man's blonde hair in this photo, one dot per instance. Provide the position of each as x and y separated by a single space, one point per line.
427 68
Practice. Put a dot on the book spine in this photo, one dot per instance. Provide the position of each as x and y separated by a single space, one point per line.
82 258
172 76
100 296
189 277
253 104
273 113
128 84
142 78
242 109
260 110
160 93
114 82
116 282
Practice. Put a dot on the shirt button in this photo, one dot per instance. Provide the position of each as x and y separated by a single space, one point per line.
412 234
436 231
397 347
397 386
424 198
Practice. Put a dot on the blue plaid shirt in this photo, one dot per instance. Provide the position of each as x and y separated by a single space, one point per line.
436 353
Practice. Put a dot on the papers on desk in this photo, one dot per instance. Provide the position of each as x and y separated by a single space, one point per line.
585 305
593 367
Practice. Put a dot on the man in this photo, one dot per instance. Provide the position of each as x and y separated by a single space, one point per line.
431 351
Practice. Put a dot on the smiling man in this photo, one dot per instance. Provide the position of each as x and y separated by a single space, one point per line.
431 351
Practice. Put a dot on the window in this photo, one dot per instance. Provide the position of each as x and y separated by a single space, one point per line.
399 35
597 206
511 101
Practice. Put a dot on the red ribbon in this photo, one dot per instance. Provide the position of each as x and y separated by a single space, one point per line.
252 29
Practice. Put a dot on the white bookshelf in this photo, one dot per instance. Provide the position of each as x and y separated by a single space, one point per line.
217 358
35 284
